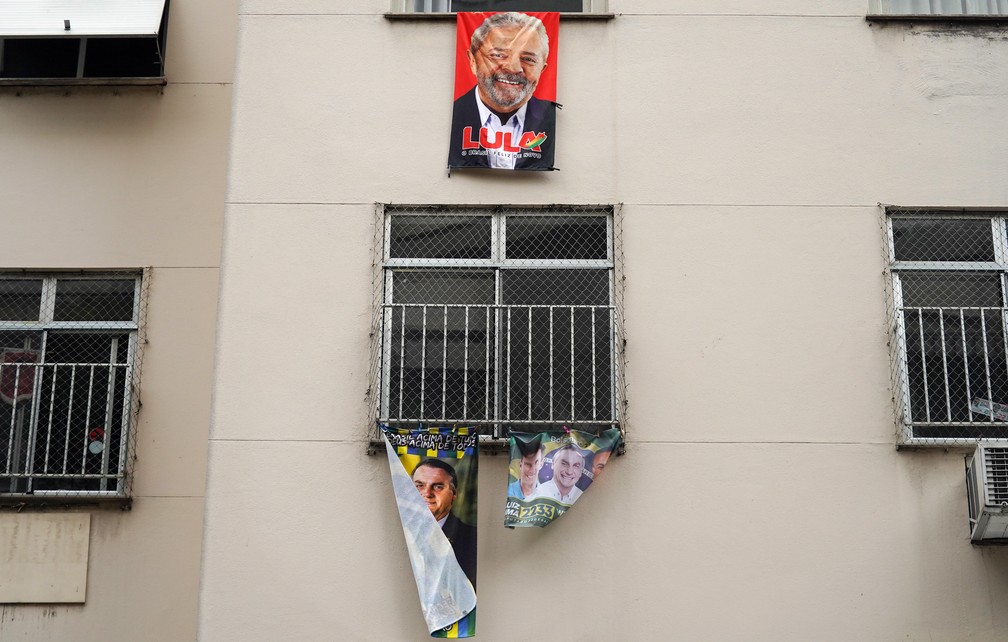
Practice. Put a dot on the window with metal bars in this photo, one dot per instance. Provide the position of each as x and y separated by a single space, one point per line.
67 382
499 318
950 337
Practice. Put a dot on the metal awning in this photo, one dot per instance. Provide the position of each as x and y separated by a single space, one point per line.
45 18
938 9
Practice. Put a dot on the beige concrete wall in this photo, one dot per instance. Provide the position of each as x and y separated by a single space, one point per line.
128 178
761 496
45 557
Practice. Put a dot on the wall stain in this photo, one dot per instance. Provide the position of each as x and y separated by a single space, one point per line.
983 32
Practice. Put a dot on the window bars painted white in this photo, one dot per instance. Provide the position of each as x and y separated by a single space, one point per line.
949 332
498 318
68 376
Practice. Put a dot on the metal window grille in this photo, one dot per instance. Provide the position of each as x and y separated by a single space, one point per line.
498 318
948 274
69 373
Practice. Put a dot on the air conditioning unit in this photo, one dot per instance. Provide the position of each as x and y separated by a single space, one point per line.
987 492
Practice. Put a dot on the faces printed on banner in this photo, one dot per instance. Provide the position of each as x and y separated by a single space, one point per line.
568 464
599 462
507 56
528 469
437 483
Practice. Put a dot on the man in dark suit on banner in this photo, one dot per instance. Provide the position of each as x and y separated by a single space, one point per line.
437 483
498 123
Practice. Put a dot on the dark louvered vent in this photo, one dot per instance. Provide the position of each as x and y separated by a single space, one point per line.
996 466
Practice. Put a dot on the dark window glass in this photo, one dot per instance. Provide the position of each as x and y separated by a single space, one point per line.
955 349
440 237
20 299
94 300
122 58
513 5
556 237
460 287
442 365
564 350
949 356
942 239
559 363
40 57
950 289
555 287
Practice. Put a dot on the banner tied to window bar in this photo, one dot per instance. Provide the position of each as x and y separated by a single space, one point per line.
504 115
434 475
549 471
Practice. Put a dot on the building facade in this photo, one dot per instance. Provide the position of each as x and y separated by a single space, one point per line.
750 153
113 187
780 228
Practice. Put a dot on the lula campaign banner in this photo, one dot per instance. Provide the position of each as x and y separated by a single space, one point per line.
504 115
434 479
549 471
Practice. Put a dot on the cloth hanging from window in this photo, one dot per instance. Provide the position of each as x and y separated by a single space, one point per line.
434 478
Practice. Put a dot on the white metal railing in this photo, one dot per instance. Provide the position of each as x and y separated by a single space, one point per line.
67 424
493 364
956 371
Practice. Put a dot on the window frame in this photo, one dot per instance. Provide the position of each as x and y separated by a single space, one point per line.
403 9
99 25
494 427
898 341
126 424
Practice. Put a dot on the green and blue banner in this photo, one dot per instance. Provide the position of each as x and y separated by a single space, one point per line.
549 471
434 475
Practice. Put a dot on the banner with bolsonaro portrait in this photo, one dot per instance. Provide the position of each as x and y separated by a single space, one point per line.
504 114
549 471
434 475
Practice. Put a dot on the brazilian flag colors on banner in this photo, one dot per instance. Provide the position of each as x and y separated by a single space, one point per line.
504 115
434 479
549 471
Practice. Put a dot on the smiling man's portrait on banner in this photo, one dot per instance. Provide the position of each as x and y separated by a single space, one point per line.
504 113
550 471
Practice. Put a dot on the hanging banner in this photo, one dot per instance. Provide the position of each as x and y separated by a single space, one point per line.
505 90
434 479
549 471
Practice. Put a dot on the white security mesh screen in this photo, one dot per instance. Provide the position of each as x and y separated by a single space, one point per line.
949 337
498 318
68 377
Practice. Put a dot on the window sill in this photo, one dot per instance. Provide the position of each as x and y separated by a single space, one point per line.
27 502
486 447
159 81
451 16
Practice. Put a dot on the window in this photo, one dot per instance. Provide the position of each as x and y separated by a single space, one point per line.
498 318
69 346
77 42
938 9
949 274
449 6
